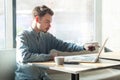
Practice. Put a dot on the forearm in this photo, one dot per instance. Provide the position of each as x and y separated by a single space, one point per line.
25 57
70 47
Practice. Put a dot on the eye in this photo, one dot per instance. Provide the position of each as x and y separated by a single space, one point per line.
47 21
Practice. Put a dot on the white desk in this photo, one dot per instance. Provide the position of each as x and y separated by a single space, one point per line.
75 69
111 56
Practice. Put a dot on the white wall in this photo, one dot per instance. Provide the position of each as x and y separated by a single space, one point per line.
98 20
111 23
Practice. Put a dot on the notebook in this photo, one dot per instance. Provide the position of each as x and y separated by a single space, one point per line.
86 58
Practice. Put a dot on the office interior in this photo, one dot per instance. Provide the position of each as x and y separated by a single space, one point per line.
86 20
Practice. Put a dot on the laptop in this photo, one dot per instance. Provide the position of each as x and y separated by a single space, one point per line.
86 58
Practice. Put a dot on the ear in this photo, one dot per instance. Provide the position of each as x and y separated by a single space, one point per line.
37 18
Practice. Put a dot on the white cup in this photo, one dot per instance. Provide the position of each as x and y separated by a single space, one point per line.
59 60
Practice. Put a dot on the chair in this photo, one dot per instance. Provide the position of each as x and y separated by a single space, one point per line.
7 64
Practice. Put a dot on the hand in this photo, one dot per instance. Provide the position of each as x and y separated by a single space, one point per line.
91 46
52 55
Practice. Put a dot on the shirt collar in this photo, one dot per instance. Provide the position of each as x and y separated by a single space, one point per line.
34 32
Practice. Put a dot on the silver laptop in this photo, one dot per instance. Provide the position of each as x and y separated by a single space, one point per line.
86 58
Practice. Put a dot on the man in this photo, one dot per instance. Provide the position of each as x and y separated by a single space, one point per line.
35 44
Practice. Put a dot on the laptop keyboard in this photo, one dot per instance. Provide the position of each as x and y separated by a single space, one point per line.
82 58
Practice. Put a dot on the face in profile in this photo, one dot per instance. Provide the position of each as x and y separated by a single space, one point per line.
44 23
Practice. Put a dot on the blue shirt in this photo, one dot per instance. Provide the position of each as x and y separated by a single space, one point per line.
33 46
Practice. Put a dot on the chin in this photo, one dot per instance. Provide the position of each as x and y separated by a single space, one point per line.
45 31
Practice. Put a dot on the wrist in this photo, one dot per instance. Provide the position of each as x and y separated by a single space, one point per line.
84 47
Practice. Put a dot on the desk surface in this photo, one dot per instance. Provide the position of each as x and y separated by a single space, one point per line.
75 69
111 55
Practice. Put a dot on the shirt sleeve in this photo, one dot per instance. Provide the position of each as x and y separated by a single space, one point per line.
65 46
24 55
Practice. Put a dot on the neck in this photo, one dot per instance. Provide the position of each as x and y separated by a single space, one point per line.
34 27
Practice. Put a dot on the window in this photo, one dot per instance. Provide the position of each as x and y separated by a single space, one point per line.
73 20
2 25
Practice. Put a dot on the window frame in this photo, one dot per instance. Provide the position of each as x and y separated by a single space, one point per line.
10 23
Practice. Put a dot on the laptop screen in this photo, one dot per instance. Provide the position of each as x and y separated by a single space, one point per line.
102 48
